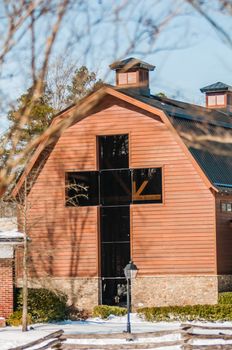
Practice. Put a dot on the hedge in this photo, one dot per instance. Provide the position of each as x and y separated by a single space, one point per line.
105 311
221 311
225 298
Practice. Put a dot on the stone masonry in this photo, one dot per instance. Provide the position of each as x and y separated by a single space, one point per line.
81 292
146 291
174 290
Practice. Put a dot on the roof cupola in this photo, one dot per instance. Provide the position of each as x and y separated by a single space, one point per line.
133 73
218 95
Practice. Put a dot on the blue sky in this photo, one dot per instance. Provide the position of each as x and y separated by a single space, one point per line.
196 54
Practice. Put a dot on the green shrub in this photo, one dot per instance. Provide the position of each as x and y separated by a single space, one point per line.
105 311
188 313
225 298
44 305
15 319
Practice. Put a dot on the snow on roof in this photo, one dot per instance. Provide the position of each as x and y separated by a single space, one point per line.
11 235
8 224
8 230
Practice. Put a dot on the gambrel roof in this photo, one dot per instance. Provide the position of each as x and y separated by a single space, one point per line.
207 128
201 131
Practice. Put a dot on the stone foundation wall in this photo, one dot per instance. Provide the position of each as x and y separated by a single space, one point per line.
146 291
225 283
6 287
174 290
81 292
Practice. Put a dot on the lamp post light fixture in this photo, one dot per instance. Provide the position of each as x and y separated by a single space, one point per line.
130 272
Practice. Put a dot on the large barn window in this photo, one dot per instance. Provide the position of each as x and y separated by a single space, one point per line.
115 252
115 184
147 185
82 188
115 187
113 152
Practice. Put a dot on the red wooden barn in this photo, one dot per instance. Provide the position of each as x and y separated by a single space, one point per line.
134 176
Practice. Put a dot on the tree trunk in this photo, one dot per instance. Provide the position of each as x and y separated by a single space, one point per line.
25 253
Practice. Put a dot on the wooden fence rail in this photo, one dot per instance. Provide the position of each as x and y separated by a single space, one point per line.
188 333
53 338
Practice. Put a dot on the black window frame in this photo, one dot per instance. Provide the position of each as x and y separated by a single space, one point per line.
132 201
149 196
101 163
68 202
141 189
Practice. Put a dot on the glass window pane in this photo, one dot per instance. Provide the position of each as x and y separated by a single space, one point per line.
115 187
114 291
122 78
229 207
212 100
223 206
147 185
113 152
132 78
82 188
115 224
221 100
114 257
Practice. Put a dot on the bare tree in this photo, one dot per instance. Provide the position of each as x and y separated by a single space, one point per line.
19 24
202 7
38 28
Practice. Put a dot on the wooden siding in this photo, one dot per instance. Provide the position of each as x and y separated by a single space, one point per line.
176 237
224 237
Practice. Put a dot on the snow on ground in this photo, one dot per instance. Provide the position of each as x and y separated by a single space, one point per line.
13 336
123 341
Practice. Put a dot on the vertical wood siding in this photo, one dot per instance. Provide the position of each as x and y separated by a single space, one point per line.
176 237
224 237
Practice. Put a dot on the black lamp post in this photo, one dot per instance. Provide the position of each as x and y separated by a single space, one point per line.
130 272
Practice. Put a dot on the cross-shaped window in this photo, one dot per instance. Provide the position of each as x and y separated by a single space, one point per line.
115 183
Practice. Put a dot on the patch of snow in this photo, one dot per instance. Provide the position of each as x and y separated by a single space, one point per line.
211 331
7 224
106 341
13 336
211 342
11 234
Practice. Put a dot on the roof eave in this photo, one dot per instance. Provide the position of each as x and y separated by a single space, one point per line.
107 89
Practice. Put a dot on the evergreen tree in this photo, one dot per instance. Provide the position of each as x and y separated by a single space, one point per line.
42 110
83 82
41 114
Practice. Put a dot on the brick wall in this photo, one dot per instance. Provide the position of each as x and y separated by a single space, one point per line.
6 287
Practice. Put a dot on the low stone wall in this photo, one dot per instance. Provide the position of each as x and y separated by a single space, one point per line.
225 283
81 292
174 290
